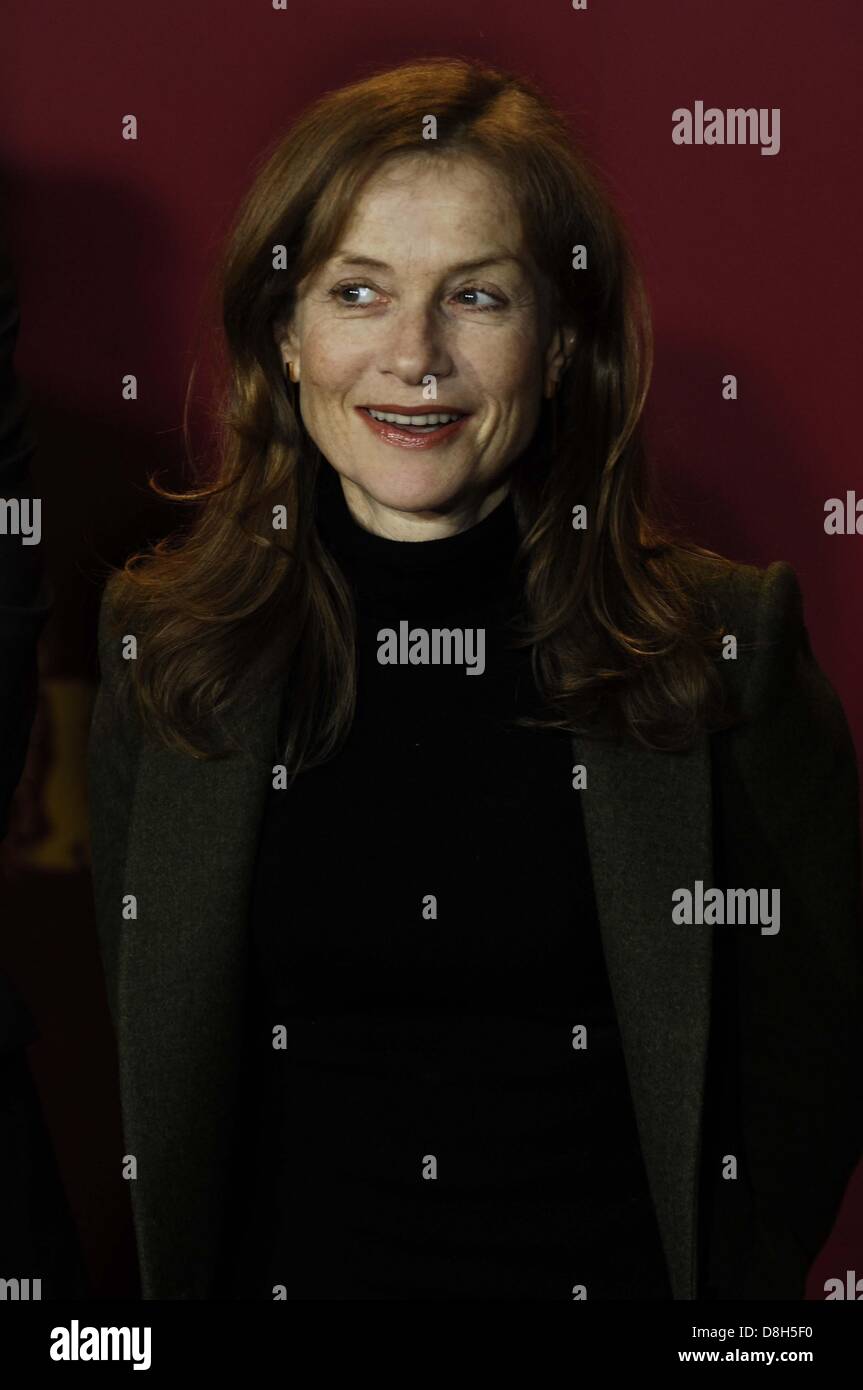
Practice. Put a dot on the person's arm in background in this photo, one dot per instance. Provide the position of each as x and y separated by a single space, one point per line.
25 593
37 1236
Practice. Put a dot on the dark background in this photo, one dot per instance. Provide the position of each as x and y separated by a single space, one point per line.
751 263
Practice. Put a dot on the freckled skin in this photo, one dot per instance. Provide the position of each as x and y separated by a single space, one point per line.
420 317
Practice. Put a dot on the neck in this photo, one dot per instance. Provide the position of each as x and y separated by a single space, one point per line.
393 524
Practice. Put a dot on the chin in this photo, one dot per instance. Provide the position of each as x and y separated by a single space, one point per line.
409 488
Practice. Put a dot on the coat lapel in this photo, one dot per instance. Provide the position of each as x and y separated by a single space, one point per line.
183 971
182 982
648 821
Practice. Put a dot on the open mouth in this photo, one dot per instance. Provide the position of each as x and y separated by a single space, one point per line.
413 428
424 422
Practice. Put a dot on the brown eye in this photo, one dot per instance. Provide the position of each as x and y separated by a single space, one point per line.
477 290
338 290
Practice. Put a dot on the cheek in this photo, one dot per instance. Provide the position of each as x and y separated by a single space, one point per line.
329 363
508 368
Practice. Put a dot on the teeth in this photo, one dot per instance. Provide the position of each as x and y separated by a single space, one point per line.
412 419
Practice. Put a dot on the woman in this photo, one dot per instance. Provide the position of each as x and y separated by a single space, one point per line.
406 751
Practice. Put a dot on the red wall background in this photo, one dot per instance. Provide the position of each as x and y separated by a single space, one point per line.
751 262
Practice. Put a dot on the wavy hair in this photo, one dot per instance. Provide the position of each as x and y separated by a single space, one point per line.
619 639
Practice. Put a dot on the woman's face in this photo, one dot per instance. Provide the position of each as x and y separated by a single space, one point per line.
430 284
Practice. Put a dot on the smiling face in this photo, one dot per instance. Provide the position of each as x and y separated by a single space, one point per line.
431 279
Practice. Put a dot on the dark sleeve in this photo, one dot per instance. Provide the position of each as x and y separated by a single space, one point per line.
787 817
112 754
25 594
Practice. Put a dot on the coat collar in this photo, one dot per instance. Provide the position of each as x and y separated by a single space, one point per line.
183 972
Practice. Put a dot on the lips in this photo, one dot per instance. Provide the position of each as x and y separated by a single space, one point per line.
411 427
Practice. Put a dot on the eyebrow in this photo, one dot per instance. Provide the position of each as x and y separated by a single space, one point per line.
349 258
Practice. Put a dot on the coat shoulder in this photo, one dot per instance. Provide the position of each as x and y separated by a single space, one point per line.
761 608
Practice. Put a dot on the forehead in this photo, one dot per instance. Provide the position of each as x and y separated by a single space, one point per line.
441 208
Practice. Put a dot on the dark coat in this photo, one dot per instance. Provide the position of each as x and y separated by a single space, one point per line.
721 1025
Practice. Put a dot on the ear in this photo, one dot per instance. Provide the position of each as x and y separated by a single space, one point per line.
287 342
558 356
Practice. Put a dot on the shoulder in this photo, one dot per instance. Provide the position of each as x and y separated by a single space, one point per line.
111 629
113 713
762 609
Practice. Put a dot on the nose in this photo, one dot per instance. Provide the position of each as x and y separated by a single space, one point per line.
415 346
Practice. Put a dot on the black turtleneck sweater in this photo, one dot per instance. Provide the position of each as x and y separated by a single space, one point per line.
423 929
